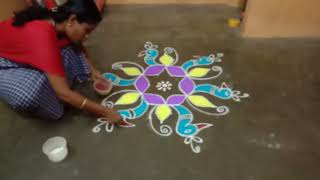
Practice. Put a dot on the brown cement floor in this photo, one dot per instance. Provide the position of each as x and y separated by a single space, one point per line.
275 134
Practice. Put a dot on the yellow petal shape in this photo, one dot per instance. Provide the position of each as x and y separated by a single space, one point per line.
163 112
166 60
199 72
131 71
128 98
201 101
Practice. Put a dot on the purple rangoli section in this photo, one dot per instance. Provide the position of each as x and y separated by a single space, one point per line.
176 71
142 84
153 99
176 99
187 85
154 70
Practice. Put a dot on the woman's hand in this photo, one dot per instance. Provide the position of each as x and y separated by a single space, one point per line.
61 88
96 75
112 116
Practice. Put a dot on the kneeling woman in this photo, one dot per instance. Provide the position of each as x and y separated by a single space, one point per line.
41 57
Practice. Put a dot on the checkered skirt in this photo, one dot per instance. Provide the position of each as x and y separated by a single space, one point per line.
28 89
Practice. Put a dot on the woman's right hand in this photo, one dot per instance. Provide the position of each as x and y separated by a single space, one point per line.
61 88
112 116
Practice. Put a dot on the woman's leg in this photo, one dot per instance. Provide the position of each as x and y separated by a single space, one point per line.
49 104
29 90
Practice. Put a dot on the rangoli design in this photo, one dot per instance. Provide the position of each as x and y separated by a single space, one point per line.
191 93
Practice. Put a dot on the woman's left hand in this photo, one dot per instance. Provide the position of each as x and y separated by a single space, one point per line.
96 75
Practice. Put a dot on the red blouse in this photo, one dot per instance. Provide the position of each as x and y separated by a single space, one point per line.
35 44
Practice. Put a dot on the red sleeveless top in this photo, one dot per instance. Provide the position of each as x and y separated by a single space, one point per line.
35 44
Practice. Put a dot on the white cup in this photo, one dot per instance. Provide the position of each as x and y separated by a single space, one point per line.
56 149
106 91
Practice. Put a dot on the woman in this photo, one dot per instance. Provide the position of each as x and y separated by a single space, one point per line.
41 56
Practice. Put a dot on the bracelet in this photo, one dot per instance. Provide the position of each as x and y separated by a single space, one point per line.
84 102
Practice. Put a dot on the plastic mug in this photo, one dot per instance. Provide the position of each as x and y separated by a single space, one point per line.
56 149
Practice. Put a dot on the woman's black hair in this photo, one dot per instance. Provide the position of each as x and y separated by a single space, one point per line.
86 11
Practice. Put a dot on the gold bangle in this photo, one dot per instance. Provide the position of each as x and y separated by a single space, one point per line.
84 102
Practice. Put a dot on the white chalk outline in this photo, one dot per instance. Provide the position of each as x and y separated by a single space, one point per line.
165 130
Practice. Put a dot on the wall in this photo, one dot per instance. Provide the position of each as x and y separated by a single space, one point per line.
282 18
9 6
229 2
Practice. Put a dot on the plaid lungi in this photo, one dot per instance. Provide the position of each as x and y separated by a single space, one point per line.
28 89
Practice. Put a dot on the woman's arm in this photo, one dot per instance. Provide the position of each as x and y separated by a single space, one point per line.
73 98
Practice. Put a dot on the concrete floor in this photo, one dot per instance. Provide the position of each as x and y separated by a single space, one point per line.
275 134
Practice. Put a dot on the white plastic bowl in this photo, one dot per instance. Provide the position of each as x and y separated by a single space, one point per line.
56 149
